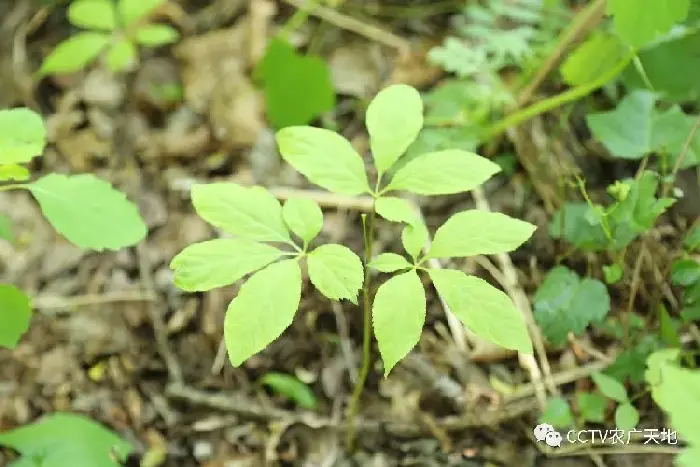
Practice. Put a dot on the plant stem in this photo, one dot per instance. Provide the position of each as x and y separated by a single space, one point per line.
554 102
367 332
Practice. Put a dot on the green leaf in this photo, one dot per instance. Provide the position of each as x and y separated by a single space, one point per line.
635 129
217 263
485 310
414 238
131 11
15 314
685 272
6 229
155 35
640 209
75 53
22 135
325 158
297 88
93 14
557 413
639 22
336 272
291 388
13 172
398 315
599 54
88 211
564 303
626 417
248 212
394 119
475 232
122 55
572 222
63 439
592 406
660 67
443 173
389 262
256 317
396 209
692 239
613 273
303 217
668 328
610 387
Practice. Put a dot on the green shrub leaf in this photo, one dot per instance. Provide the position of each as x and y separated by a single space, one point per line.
485 310
599 54
610 387
93 14
15 314
22 136
398 315
303 217
414 238
592 406
122 55
564 303
692 240
13 172
256 317
325 158
639 22
394 119
685 272
217 263
396 210
248 212
640 208
88 211
557 413
476 232
131 11
573 222
154 35
291 388
63 439
443 173
389 262
336 272
75 53
297 88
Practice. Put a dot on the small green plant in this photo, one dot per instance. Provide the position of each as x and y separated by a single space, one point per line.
256 317
685 273
63 439
114 29
87 211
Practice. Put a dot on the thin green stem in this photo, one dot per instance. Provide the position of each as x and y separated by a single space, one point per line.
554 102
297 20
14 186
368 230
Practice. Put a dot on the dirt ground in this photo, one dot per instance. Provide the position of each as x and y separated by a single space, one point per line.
113 338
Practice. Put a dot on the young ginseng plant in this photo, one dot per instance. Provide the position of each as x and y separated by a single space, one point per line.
267 302
87 211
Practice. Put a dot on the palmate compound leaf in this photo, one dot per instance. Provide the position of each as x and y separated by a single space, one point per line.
389 262
398 315
443 173
15 314
564 303
93 14
63 439
639 22
414 237
396 209
22 135
476 232
325 158
336 272
303 217
122 55
88 211
485 310
75 53
247 212
155 35
262 310
394 119
217 263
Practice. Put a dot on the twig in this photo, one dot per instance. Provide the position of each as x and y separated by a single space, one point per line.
326 199
564 377
344 335
355 25
517 294
585 20
47 302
